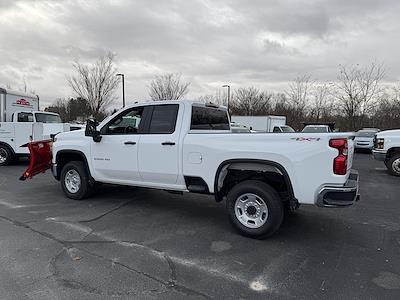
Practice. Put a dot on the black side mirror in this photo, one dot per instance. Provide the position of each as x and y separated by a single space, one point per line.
91 130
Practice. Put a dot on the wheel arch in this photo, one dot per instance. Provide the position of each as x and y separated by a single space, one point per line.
65 156
8 146
255 165
391 151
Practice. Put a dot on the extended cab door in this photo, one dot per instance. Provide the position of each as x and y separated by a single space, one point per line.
114 158
159 146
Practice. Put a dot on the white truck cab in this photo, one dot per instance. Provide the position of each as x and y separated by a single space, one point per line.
387 149
22 122
183 146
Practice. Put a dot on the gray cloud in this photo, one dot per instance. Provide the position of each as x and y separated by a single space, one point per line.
258 42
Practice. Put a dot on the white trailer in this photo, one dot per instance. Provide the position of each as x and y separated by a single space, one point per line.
263 123
22 122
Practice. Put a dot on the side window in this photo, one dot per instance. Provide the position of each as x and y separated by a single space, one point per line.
208 118
126 123
25 117
163 120
277 129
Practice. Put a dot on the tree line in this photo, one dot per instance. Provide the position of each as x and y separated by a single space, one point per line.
357 98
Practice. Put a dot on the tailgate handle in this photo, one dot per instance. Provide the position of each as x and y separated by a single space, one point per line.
168 143
130 143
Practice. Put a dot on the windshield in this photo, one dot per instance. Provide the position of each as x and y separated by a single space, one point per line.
47 118
365 133
314 129
287 129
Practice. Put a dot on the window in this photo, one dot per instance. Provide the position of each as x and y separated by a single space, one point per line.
25 117
276 129
126 123
209 118
163 120
47 118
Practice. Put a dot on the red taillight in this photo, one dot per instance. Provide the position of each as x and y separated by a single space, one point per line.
340 162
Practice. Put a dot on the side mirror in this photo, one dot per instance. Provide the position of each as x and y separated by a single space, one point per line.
91 130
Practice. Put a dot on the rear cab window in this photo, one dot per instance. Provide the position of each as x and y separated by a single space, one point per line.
209 118
163 120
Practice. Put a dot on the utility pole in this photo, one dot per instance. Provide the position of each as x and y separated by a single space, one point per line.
123 88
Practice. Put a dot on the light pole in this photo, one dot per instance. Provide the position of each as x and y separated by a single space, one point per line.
123 88
229 93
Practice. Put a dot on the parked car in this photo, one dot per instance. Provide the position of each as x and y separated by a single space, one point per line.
188 147
238 128
283 129
387 149
364 138
316 129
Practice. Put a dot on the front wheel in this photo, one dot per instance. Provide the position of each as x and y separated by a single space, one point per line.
393 164
255 209
75 180
6 155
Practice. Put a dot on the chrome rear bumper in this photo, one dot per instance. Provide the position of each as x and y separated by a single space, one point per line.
340 196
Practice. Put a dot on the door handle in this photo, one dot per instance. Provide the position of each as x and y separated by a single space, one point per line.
168 143
130 143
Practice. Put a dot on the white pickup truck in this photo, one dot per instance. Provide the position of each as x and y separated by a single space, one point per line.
183 146
387 149
21 122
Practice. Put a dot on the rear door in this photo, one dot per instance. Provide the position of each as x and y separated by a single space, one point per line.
159 146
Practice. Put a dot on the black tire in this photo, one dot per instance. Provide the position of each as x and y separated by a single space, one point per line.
85 186
393 164
6 155
272 201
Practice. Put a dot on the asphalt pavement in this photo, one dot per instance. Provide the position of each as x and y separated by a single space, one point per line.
134 243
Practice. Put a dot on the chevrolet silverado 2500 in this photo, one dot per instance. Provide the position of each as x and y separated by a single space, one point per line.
183 146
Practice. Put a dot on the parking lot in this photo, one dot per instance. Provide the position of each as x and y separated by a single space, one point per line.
140 243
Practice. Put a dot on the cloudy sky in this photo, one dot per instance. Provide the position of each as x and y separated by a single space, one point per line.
263 43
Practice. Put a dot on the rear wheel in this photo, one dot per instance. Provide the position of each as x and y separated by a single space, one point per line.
255 209
75 180
6 155
393 164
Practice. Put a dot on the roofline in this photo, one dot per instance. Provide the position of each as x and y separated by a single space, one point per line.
160 102
17 93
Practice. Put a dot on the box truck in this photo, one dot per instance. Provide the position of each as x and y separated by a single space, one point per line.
263 123
22 122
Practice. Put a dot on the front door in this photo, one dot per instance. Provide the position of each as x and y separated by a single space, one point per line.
159 147
114 158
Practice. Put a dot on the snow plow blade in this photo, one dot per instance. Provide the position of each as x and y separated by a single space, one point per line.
40 158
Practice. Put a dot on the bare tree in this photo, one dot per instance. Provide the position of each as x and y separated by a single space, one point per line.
168 87
207 98
298 94
357 90
250 102
71 110
96 83
322 102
